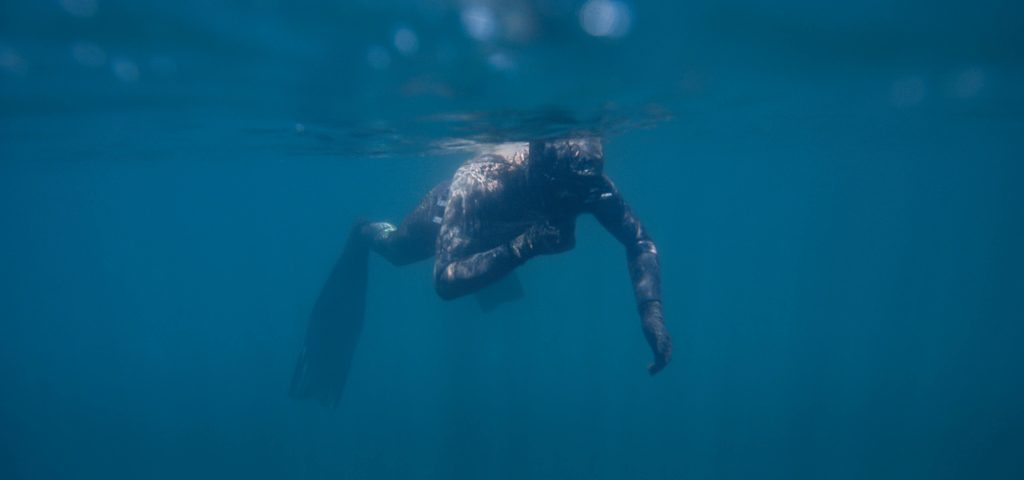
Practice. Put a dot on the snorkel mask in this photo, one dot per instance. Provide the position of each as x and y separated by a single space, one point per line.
571 159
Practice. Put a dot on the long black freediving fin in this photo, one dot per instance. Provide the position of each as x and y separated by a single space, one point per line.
334 326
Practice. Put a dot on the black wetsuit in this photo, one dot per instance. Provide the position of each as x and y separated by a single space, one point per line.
497 212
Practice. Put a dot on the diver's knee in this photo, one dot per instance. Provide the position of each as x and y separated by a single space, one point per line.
376 232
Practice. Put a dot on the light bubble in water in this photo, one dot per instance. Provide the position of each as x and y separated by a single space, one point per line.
378 57
406 41
908 92
125 70
88 54
969 83
605 18
479 22
300 128
501 62
10 61
80 8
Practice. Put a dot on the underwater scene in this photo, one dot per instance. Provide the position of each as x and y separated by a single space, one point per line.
520 239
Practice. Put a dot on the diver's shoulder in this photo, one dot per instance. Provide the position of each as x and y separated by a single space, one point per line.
493 164
510 153
513 152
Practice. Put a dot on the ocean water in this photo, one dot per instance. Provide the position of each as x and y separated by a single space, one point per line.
835 190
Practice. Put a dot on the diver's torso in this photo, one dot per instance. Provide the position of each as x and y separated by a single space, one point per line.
500 203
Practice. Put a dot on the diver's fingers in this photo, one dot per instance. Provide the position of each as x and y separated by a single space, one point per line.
655 367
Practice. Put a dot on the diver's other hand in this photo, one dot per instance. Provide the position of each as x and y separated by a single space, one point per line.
543 239
657 336
548 238
661 359
662 350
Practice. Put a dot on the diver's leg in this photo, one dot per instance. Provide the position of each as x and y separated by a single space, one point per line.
415 238
337 317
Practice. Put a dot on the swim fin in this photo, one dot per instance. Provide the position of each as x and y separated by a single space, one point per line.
334 327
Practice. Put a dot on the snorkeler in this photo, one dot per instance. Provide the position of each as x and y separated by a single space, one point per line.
498 211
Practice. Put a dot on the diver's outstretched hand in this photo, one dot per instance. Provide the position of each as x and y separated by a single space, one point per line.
661 359
657 336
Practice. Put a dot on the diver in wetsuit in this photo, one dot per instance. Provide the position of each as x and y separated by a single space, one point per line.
498 211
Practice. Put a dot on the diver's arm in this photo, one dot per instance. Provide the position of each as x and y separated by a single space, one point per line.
615 215
458 272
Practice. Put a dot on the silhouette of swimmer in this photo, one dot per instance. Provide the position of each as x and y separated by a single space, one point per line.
498 211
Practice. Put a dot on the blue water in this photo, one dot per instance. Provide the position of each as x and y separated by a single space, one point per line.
836 192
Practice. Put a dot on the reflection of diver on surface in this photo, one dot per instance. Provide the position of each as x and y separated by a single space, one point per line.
498 211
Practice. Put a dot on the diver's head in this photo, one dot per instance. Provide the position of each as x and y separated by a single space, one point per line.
568 159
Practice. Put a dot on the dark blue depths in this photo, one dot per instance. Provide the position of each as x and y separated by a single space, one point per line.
835 192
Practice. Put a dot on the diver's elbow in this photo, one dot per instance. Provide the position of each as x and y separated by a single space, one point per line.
642 247
446 286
